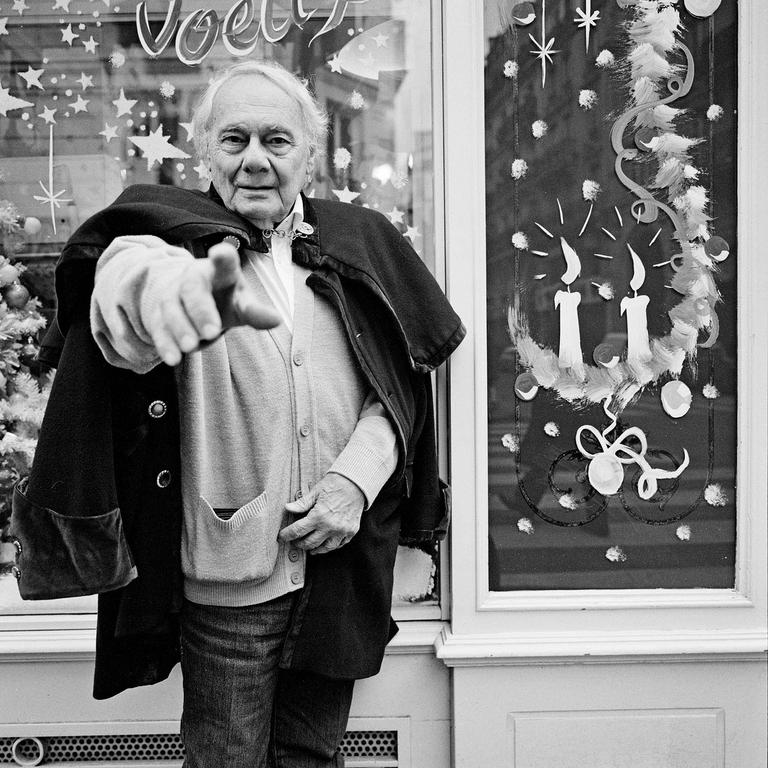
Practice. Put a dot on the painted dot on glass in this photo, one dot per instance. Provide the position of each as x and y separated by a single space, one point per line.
153 113
46 59
25 115
150 103
179 166
361 47
68 92
131 152
56 98
98 23
129 123
63 75
30 126
96 14
142 114
54 80
81 25
183 176
116 9
363 186
350 32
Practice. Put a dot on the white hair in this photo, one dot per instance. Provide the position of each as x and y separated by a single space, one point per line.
313 116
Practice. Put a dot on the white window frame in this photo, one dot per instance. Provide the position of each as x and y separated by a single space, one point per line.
66 628
517 627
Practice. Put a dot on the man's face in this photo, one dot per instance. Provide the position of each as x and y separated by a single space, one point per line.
258 152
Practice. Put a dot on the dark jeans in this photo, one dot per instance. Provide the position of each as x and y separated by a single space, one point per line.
240 709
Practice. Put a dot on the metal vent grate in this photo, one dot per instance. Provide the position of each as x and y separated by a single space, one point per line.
158 747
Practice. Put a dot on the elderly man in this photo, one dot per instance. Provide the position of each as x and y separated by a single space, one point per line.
243 379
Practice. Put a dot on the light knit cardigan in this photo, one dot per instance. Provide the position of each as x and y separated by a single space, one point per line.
265 415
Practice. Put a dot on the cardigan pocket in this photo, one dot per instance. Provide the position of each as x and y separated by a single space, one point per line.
239 549
67 556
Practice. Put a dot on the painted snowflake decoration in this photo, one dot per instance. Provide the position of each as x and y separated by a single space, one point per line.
587 98
519 168
520 241
615 554
715 496
551 429
710 391
511 69
715 112
356 100
525 525
167 89
605 59
568 502
510 442
590 190
539 129
342 157
117 59
683 532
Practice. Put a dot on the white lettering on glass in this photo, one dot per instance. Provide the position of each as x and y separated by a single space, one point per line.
240 28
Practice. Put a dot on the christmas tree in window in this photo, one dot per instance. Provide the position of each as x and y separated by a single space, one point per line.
24 387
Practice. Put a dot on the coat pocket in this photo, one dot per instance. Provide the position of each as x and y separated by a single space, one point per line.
239 549
65 556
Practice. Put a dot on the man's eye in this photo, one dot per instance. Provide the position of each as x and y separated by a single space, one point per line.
279 141
232 139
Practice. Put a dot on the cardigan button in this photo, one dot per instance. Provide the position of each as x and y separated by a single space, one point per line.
157 409
163 479
304 430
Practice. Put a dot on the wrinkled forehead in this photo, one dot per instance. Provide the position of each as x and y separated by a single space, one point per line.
255 97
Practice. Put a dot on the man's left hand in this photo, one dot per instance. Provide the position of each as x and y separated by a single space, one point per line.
333 509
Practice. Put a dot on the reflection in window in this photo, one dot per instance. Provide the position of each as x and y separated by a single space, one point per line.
86 111
611 284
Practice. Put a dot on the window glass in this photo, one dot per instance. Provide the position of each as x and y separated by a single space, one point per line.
95 96
611 285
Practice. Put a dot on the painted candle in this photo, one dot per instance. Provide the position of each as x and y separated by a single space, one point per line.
570 355
635 308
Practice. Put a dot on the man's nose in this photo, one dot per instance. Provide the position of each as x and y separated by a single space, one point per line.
255 157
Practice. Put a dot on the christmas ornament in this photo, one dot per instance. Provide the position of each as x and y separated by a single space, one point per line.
16 295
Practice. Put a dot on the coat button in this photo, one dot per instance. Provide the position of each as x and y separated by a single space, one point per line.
295 578
163 479
157 409
16 571
304 431
297 495
17 544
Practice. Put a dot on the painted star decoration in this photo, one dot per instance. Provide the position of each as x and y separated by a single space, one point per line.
345 195
123 105
47 115
156 147
3 23
86 81
109 132
80 104
8 102
334 64
544 53
32 77
381 40
396 215
412 233
20 6
62 4
68 36
586 19
90 45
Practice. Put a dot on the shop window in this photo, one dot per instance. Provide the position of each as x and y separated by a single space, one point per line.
93 99
611 294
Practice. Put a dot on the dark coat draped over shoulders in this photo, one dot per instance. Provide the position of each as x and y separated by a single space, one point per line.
93 518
